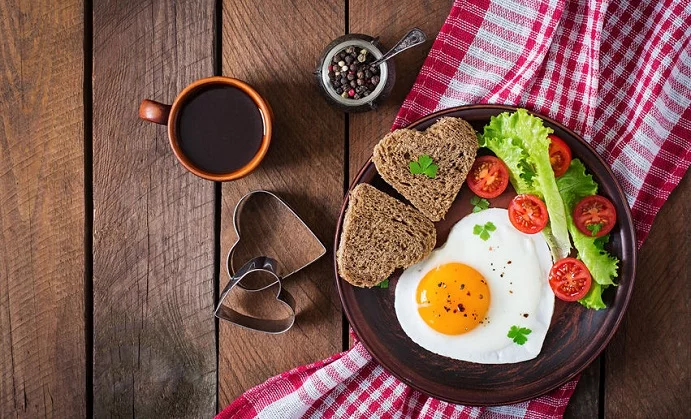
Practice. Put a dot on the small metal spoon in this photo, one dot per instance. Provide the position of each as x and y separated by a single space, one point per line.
414 37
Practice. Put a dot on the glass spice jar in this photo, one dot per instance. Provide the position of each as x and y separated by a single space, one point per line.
324 74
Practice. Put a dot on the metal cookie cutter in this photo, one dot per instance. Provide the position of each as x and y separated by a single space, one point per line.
275 220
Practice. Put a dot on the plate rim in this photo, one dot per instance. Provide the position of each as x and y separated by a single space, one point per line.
629 224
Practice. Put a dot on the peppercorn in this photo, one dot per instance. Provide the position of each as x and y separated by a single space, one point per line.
351 74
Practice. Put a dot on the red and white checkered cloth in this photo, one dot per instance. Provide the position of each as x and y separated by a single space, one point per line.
618 73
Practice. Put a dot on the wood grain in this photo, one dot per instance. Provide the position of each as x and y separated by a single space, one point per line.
585 401
154 333
275 47
390 20
648 362
42 355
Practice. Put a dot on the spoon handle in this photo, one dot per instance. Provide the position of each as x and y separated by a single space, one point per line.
414 37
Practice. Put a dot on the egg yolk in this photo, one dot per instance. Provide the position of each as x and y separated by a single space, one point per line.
453 298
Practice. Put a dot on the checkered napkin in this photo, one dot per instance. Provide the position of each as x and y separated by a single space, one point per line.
618 73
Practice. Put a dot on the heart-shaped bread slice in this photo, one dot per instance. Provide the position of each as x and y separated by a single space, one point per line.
452 145
380 234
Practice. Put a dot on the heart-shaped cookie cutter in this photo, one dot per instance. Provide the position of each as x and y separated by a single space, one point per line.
261 264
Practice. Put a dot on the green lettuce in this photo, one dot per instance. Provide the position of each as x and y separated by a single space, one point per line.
573 186
593 299
521 141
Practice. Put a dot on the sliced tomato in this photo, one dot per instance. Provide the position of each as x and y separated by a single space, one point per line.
528 213
559 155
570 279
488 177
595 216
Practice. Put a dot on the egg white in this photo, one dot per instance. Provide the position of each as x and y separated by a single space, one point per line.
523 289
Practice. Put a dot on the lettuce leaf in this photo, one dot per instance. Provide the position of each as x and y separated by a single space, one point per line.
573 186
593 299
521 173
521 141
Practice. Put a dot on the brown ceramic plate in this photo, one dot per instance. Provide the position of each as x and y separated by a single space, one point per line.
575 338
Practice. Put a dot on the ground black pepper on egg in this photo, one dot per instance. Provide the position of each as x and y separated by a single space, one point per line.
351 74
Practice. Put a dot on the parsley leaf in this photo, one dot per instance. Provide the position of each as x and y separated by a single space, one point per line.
600 242
519 334
527 171
384 284
478 203
594 228
424 165
484 230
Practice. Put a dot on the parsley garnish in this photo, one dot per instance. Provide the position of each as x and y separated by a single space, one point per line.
478 203
527 171
483 231
518 334
384 284
424 165
594 228
600 242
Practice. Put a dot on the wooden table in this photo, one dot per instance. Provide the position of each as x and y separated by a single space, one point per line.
110 251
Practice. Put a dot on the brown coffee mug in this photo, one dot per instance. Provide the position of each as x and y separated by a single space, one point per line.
163 114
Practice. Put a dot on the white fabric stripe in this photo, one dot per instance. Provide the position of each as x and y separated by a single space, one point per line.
519 9
505 45
515 411
515 29
487 58
473 90
288 407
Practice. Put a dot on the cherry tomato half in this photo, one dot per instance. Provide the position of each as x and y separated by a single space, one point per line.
570 279
559 155
528 213
595 216
488 177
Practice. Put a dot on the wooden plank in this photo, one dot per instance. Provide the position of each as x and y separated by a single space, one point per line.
42 355
585 401
304 166
647 363
154 332
390 20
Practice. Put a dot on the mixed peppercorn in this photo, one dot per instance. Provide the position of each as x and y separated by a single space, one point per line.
351 74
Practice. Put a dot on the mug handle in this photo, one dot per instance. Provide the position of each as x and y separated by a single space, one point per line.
155 112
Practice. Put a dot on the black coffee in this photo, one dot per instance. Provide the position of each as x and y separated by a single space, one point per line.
219 128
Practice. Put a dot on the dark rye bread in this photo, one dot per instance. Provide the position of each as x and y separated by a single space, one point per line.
452 144
380 234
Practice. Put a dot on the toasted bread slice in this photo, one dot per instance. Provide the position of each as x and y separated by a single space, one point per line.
380 234
452 145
